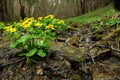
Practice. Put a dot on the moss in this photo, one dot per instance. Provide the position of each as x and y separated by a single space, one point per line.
95 15
76 77
73 53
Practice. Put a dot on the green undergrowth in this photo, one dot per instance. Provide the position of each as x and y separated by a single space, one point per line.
93 16
32 36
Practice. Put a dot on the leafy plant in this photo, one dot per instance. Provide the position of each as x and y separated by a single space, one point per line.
107 22
111 22
2 26
117 32
33 36
95 25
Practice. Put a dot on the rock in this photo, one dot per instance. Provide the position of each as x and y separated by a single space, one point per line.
68 51
74 41
39 72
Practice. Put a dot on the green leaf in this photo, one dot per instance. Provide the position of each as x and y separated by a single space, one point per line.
46 45
14 44
1 26
37 35
25 38
28 60
21 54
25 46
16 36
31 52
40 43
41 53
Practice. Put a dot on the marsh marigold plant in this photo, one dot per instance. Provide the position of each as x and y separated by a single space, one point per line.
32 36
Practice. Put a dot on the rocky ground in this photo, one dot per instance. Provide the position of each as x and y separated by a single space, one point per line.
80 53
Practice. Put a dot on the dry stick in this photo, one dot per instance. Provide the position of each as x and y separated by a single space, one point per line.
111 48
115 49
1 66
38 62
35 61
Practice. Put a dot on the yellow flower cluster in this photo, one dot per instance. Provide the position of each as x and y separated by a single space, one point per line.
38 24
40 18
27 22
49 16
60 22
50 26
31 22
10 29
14 22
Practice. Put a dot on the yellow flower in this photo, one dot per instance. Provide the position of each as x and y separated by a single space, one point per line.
21 20
27 22
49 16
13 29
14 22
40 18
60 22
10 26
31 19
10 29
24 22
50 26
27 25
26 18
38 24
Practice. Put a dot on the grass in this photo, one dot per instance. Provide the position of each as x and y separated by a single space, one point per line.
94 15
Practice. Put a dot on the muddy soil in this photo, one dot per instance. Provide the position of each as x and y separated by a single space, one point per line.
80 53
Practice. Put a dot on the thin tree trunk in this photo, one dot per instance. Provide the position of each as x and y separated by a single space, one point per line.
4 14
1 10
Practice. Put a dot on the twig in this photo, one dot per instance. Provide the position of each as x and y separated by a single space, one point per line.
38 62
35 61
115 49
110 49
104 46
1 66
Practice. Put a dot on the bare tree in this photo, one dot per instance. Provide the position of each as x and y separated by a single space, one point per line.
3 10
22 8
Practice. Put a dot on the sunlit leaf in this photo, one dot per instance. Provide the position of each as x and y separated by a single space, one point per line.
31 52
46 45
16 36
21 54
41 53
25 38
40 43
14 44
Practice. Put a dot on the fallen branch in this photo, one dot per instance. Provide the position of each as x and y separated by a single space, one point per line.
110 49
4 65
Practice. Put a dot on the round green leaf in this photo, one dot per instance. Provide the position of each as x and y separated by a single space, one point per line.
41 53
31 52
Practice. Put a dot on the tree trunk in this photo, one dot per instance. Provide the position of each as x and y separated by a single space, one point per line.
18 9
4 15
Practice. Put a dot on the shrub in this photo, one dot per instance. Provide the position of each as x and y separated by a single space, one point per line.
32 36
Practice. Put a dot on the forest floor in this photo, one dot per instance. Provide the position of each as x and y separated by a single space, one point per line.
80 53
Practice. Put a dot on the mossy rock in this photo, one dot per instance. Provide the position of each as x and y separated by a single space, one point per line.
68 51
